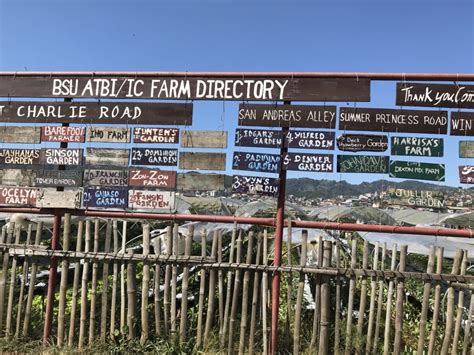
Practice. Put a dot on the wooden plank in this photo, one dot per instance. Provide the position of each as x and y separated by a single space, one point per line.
287 116
50 198
263 138
154 156
200 182
20 134
18 196
61 156
362 143
63 134
255 185
156 113
203 139
98 177
155 135
158 201
17 177
187 88
435 95
261 162
107 156
55 178
462 123
105 197
20 156
466 149
415 146
308 162
108 134
152 178
392 120
466 174
202 161
418 171
415 198
310 139
375 164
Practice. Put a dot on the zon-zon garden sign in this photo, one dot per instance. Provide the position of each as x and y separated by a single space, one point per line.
118 152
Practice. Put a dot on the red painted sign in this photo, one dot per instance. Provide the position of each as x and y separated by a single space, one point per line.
63 134
18 196
155 178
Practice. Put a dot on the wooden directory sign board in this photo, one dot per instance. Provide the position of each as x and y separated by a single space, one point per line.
310 140
362 143
57 178
466 149
154 156
98 177
107 157
108 134
20 134
152 178
63 134
466 174
50 198
202 161
415 198
308 162
373 164
262 138
155 135
200 182
96 113
204 139
17 177
186 87
20 156
414 146
391 120
418 171
462 123
18 196
163 201
105 197
254 185
435 95
261 162
61 156
287 116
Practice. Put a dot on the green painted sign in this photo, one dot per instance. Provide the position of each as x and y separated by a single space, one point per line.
466 149
417 171
415 198
420 147
374 164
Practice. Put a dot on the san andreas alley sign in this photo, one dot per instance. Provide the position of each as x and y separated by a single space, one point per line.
415 198
150 86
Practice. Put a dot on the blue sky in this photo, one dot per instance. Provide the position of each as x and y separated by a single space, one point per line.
376 36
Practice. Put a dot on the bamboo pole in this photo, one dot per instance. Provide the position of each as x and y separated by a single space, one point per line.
337 310
363 297
290 283
256 281
228 291
468 340
299 296
131 298
202 286
2 239
379 301
220 285
210 297
350 302
373 296
460 308
4 277
184 289
24 272
450 305
95 267
167 287
31 286
63 282
265 294
113 302
85 276
157 299
11 292
437 299
388 313
75 286
317 295
105 284
123 287
425 303
145 285
325 302
245 296
397 347
174 283
235 297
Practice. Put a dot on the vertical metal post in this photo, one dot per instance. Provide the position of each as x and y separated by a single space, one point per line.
280 216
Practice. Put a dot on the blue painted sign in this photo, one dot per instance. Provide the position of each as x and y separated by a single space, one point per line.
105 198
265 163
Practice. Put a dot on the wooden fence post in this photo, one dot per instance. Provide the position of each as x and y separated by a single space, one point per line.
202 287
113 302
228 291
167 286
299 296
235 297
145 284
75 286
388 313
24 272
123 288
211 294
245 296
85 276
256 281
363 298
437 299
95 268
63 282
350 302
105 283
11 292
399 303
325 302
184 289
379 301
373 296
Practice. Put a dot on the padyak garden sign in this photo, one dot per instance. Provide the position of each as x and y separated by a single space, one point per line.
415 198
